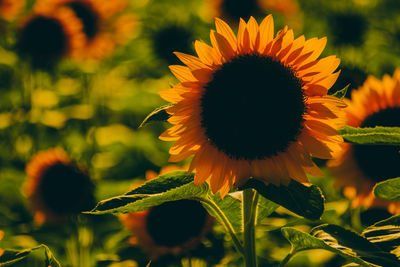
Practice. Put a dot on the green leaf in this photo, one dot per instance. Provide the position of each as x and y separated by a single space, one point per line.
231 207
353 243
389 189
168 187
341 93
12 256
344 242
306 201
371 136
159 114
386 235
265 208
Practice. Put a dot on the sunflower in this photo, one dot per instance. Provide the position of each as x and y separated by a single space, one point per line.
46 37
10 9
101 24
358 168
254 106
174 227
56 187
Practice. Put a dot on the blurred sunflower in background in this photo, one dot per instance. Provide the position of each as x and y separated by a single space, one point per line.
174 227
254 106
45 37
56 187
10 9
358 168
103 25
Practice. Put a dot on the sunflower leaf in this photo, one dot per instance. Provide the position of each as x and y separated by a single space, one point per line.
371 136
231 207
386 235
167 187
159 114
12 256
265 208
343 242
389 189
306 201
342 92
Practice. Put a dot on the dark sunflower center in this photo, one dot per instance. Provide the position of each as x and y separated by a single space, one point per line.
170 39
44 40
379 162
173 223
67 190
348 29
236 9
253 107
88 16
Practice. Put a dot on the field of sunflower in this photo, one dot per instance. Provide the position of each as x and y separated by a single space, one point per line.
199 133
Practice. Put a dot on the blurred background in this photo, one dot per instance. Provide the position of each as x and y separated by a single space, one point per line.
82 75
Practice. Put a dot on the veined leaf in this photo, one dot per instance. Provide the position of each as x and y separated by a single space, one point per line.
306 201
264 208
386 235
172 186
371 136
344 242
301 241
353 243
168 187
342 92
389 189
12 256
159 114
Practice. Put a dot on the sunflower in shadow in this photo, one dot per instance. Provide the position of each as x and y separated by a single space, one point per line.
358 168
56 187
103 24
254 105
172 228
44 37
10 9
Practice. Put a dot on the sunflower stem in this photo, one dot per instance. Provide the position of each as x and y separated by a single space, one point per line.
250 200
225 222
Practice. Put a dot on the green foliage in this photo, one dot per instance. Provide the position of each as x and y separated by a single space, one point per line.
159 114
371 136
12 256
386 235
389 189
342 92
306 201
356 248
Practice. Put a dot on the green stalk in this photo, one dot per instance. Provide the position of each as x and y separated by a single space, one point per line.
225 222
250 200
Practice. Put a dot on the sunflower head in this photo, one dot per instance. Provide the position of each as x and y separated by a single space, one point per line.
44 38
56 187
348 28
253 105
359 167
100 24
